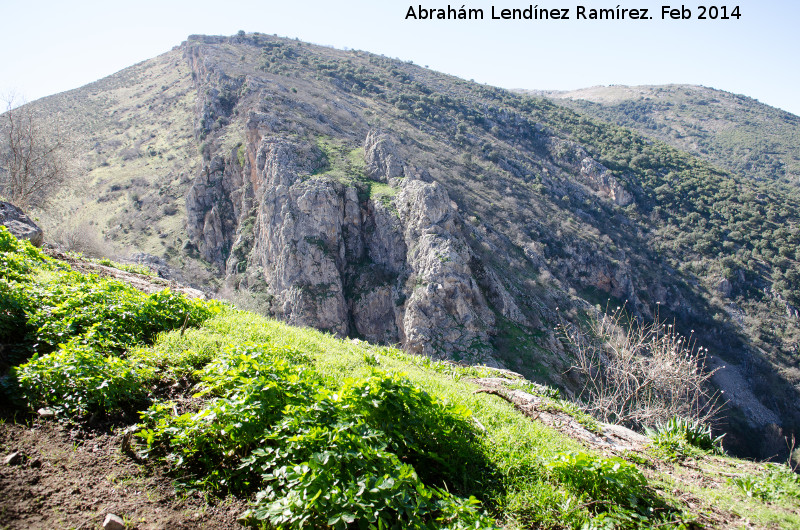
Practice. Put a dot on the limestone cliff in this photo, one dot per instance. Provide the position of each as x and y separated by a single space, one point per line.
391 271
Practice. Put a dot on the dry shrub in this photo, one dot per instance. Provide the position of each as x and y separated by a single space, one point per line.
640 375
83 238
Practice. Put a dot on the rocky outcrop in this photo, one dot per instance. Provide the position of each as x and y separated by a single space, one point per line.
19 224
381 157
395 270
300 242
602 181
446 314
214 204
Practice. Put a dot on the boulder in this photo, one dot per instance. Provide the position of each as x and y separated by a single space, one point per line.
19 224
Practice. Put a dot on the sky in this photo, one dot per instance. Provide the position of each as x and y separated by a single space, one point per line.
53 46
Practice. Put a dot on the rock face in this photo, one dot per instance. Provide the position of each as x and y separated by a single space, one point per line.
19 224
213 207
601 180
446 311
394 270
381 157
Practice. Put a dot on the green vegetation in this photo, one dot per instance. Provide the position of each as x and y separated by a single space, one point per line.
733 131
346 165
127 267
775 482
677 437
512 165
314 431
78 325
616 489
718 249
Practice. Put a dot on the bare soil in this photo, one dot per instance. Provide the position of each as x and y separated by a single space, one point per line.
70 477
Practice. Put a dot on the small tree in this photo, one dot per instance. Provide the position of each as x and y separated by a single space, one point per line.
640 375
32 162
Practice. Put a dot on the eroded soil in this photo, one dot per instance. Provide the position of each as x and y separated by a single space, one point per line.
72 478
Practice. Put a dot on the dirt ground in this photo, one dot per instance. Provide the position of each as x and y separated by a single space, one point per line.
72 478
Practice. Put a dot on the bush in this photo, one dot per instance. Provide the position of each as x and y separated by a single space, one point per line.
641 374
77 380
777 481
612 481
678 434
82 324
108 314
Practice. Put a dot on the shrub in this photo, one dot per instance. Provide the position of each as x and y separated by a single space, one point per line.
317 457
108 314
777 481
641 374
612 481
77 380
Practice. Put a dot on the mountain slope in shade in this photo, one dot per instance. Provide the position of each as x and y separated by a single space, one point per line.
376 199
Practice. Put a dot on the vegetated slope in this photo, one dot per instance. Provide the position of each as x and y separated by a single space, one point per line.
135 153
732 131
377 199
310 430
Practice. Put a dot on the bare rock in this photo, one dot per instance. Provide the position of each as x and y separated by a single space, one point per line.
212 209
13 459
19 224
113 522
381 157
446 314
299 240
725 288
600 178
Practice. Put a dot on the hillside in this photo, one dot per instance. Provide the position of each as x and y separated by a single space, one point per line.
167 411
730 130
378 200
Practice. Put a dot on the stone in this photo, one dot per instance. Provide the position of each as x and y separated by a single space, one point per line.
13 459
45 412
606 184
725 288
113 522
19 224
381 157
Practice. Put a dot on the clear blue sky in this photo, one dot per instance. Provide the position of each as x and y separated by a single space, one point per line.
52 46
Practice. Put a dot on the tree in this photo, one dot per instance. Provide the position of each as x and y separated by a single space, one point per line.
32 160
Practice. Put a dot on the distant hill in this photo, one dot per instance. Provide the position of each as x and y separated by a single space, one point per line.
730 130
376 199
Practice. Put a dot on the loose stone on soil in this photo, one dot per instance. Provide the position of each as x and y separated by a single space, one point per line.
113 522
13 459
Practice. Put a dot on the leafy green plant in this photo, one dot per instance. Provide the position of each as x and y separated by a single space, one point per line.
78 380
777 480
609 481
678 434
378 450
109 314
79 327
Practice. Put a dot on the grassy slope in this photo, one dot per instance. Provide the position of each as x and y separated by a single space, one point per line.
133 134
517 452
